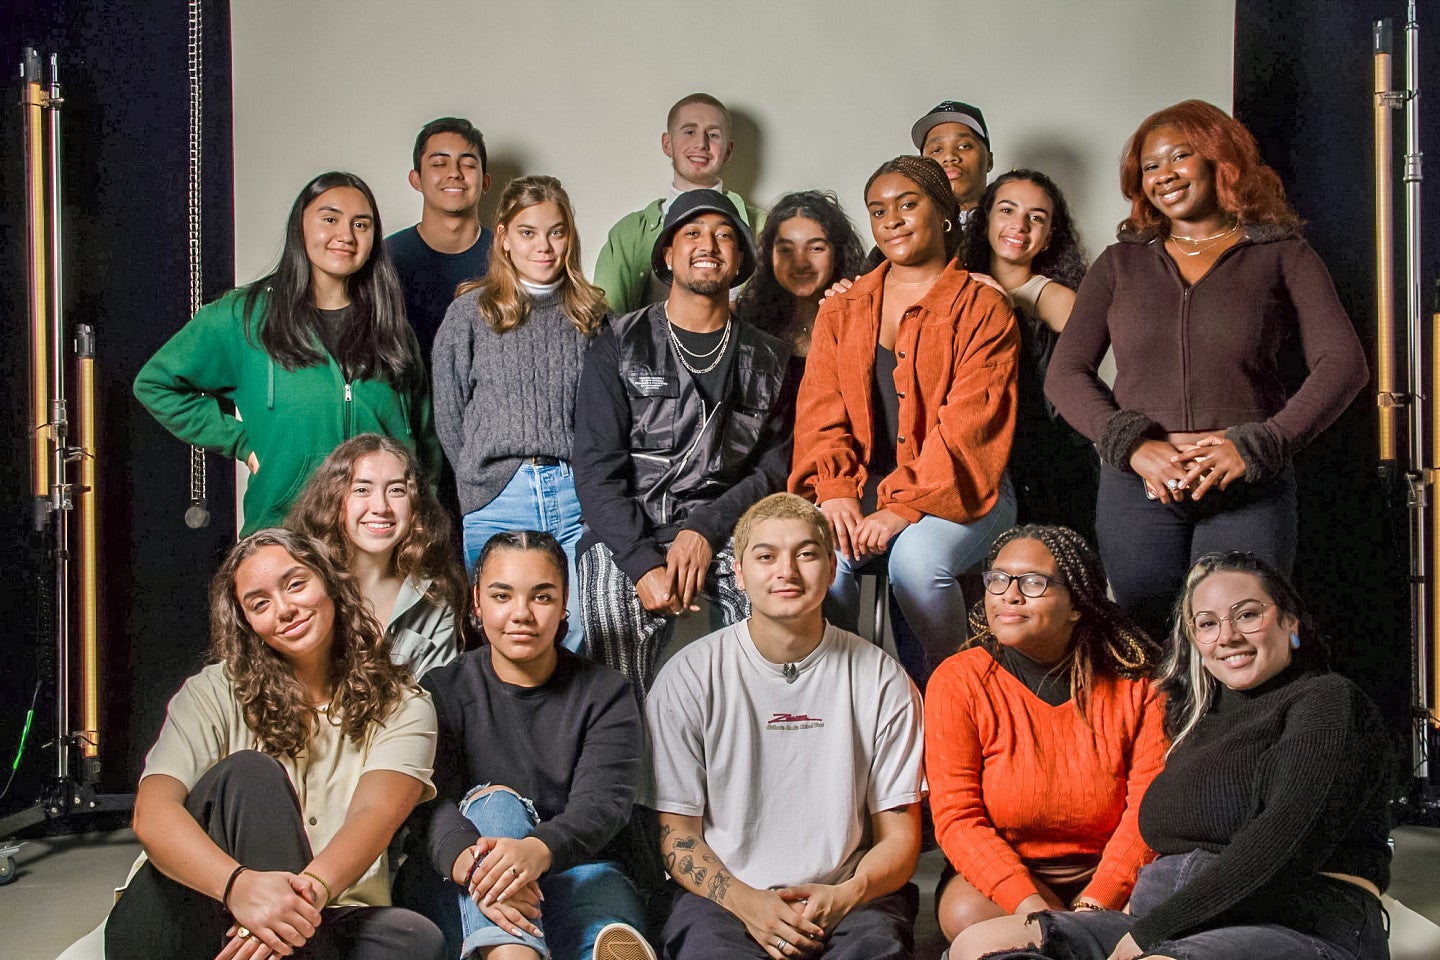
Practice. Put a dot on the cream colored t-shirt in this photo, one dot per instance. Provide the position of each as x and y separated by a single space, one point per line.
204 724
785 770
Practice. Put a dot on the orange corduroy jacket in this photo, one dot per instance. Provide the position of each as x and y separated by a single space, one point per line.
956 352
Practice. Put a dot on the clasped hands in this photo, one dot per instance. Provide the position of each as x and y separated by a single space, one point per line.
792 922
502 877
856 535
673 589
1171 472
275 914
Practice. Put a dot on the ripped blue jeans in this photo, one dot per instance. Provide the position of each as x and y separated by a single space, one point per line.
578 901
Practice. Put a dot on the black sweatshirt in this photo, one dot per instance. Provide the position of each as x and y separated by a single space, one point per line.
571 746
1283 782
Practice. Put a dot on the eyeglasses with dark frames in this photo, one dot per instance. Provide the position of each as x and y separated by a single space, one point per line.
1032 584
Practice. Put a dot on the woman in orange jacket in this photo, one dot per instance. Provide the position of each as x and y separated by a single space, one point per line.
907 411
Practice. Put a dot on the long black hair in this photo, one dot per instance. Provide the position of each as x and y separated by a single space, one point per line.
378 340
768 305
1062 261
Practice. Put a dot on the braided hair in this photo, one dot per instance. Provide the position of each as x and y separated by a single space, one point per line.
1105 640
930 177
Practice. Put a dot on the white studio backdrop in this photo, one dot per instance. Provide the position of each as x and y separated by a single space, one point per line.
823 91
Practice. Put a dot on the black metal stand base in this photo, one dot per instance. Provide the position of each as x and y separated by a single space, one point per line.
66 803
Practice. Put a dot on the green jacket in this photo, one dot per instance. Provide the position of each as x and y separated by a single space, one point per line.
290 419
623 268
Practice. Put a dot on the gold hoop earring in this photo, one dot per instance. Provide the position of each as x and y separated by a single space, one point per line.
948 226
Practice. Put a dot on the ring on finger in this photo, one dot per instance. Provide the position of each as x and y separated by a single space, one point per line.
781 944
514 873
1172 483
241 933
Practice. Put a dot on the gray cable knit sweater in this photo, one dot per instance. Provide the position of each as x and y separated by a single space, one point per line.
502 397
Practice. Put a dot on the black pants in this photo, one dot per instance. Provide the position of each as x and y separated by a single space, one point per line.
248 807
1148 546
883 929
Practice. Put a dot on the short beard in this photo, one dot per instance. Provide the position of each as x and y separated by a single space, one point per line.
703 288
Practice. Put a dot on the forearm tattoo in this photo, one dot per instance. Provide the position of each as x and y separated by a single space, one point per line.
680 861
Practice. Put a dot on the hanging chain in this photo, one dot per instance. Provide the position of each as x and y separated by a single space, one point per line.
198 514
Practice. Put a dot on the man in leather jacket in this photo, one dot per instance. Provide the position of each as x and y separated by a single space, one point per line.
680 426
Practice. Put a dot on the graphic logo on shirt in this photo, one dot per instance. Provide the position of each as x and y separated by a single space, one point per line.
793 721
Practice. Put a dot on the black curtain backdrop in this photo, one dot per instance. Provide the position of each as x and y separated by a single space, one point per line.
1302 80
123 70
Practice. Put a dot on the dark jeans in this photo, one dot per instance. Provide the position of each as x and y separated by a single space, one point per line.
1148 546
883 929
1341 922
248 807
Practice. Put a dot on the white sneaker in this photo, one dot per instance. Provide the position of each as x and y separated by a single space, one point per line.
620 941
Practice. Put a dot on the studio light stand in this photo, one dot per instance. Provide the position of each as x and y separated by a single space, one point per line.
63 477
1405 408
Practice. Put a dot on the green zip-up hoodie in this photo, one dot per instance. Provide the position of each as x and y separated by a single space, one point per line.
290 419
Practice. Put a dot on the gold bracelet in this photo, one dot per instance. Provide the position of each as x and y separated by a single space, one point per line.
1080 903
328 895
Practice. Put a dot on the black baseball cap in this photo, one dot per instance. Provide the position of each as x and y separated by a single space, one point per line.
687 207
951 111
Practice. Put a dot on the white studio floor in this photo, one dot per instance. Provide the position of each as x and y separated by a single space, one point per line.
64 886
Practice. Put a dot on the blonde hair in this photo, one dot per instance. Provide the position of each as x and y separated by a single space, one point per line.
782 506
503 303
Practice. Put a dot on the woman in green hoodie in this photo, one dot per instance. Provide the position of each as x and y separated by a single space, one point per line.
308 356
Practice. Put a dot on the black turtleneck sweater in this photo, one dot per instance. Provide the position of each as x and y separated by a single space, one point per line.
1282 782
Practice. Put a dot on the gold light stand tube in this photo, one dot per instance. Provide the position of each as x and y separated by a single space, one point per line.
34 99
87 512
1387 398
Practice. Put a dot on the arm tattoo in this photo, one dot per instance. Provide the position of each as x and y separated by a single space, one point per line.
719 886
680 862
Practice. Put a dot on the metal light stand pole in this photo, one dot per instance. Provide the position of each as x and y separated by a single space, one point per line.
1421 477
53 458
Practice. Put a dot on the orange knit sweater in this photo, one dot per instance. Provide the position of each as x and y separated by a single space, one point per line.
1012 777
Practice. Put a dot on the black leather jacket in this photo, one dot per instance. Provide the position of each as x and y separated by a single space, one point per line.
651 459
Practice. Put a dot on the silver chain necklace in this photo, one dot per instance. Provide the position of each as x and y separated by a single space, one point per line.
718 352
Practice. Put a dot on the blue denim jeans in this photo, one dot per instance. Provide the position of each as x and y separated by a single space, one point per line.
1342 921
579 902
924 561
536 498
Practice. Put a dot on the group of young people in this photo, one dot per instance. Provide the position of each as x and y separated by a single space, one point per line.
612 452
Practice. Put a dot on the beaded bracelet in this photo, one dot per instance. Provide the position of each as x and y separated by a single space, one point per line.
230 885
328 895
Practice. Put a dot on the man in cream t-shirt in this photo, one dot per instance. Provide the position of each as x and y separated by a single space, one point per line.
787 757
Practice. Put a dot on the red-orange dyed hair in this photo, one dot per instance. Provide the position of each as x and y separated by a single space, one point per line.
1247 188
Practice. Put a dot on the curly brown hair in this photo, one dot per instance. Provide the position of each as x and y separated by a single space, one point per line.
424 554
1245 186
1105 641
367 686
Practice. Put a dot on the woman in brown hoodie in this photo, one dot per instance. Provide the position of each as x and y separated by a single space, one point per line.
1210 277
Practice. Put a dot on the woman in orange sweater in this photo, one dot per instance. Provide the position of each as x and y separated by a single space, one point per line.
907 410
1041 737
